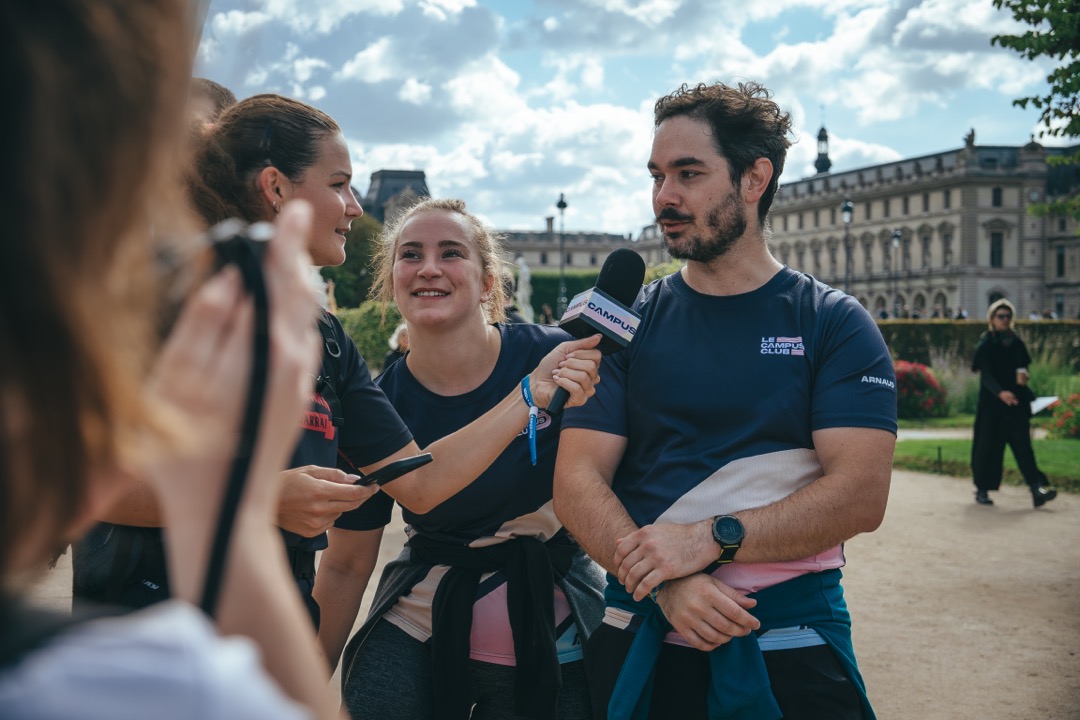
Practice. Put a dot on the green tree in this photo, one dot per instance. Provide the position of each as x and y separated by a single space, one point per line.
1055 34
352 279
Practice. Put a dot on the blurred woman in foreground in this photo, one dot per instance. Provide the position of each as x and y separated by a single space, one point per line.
97 91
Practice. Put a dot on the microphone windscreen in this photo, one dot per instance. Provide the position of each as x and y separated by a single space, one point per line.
622 275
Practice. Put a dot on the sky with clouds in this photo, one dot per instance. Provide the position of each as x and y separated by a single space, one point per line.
508 103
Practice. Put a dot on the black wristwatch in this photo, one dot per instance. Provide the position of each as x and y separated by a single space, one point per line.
728 532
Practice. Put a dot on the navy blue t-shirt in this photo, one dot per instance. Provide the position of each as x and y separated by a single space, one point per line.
372 429
511 487
718 396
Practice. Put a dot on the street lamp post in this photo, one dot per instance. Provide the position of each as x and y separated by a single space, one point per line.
896 235
560 302
846 211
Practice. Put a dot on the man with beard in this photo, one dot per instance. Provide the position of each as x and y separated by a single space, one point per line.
731 449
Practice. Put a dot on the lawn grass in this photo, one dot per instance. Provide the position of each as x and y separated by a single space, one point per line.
961 420
953 421
1059 459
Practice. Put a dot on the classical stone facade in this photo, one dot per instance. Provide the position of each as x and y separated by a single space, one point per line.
939 232
540 249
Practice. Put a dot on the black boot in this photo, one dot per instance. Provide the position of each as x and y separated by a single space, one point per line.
982 498
1042 495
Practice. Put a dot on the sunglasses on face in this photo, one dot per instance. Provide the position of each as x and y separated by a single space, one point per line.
1003 316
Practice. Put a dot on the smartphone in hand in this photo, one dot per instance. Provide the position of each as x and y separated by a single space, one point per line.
394 470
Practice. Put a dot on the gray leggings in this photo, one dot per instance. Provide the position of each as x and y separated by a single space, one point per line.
390 679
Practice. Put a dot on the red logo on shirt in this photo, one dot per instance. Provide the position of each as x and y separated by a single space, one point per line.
317 421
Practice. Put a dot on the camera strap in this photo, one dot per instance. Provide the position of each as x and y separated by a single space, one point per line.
241 251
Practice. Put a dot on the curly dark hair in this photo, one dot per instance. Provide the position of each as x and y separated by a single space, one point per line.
746 125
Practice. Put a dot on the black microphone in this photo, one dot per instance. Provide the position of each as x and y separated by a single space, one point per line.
605 309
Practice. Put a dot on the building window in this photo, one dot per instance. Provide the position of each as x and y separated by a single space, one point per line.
868 214
886 208
832 260
995 197
905 205
785 223
926 202
1059 305
832 216
817 261
947 199
946 249
543 258
907 253
997 242
800 221
926 251
817 222
800 257
1059 258
1061 224
868 258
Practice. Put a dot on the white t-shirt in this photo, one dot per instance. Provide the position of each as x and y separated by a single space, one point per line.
162 663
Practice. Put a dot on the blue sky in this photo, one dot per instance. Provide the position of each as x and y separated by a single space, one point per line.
507 103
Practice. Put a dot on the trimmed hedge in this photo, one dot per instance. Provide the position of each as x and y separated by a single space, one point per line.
545 286
918 340
545 283
364 325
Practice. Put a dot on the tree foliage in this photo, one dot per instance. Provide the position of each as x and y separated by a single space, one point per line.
1055 34
352 279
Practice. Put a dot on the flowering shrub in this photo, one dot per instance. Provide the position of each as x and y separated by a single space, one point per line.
1066 421
918 392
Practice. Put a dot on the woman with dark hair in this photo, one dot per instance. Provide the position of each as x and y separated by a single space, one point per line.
97 90
1003 413
485 612
262 153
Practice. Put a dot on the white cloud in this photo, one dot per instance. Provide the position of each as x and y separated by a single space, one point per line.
372 64
442 9
324 16
508 108
237 22
256 77
488 90
304 68
650 12
415 92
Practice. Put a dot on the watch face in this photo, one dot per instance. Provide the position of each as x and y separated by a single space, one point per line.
728 530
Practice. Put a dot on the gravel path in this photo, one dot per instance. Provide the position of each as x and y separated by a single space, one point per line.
960 612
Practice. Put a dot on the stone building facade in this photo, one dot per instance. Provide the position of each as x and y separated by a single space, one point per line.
540 249
938 232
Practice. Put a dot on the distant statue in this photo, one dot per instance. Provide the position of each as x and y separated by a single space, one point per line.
969 139
524 289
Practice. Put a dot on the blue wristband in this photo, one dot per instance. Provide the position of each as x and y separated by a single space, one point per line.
533 411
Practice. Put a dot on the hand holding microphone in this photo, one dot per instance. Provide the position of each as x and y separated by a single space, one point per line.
605 309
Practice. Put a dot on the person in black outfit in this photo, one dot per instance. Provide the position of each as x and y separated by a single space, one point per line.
1003 414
